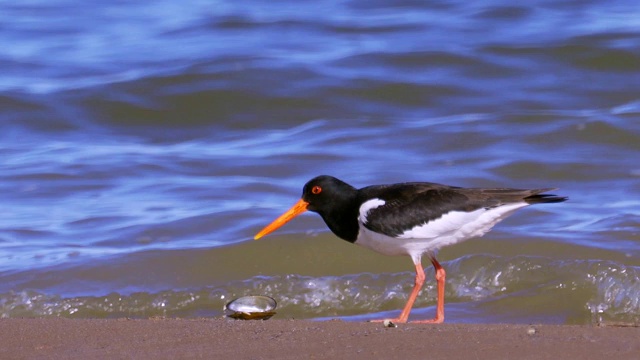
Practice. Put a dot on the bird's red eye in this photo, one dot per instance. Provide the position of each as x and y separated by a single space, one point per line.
316 190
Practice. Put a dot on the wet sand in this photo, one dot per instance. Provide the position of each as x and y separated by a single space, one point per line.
295 339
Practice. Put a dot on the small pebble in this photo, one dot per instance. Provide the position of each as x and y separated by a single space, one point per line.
389 324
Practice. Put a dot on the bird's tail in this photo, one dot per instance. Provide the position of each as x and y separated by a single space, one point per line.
538 198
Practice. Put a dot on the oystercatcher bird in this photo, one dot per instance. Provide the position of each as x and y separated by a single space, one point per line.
413 219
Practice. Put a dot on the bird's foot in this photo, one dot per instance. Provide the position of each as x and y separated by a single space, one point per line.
402 321
432 321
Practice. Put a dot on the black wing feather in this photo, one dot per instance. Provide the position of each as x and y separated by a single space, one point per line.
413 204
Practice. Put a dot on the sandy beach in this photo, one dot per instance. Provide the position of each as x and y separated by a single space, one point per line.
295 339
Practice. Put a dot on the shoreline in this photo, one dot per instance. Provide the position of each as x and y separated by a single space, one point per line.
164 338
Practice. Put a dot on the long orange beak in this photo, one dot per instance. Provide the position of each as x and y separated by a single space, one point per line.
297 209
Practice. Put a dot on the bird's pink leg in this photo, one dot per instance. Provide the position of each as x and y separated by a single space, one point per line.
420 277
404 315
440 278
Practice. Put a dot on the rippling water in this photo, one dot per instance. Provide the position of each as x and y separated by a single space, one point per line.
144 145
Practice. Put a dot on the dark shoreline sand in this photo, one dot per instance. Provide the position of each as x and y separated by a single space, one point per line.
295 339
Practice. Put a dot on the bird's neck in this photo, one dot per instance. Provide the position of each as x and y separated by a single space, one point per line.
342 219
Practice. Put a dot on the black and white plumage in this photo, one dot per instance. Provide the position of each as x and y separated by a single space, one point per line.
413 219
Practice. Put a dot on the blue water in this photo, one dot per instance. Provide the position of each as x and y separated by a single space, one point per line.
144 145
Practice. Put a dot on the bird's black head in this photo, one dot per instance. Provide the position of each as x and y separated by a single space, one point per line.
333 199
324 193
